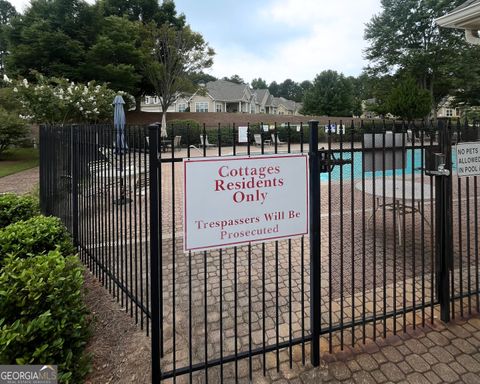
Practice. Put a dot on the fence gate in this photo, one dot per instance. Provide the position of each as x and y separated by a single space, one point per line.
225 314
393 241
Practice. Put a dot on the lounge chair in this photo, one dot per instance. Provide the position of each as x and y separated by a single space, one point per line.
276 140
176 143
204 142
258 140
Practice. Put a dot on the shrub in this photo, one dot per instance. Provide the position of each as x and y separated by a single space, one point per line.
15 208
189 130
35 236
43 319
13 130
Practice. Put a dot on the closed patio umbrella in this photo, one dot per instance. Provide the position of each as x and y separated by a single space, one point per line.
120 144
119 124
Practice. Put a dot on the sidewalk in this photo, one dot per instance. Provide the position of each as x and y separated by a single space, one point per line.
21 182
436 354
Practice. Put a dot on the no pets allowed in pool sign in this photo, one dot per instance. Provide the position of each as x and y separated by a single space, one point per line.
240 200
468 159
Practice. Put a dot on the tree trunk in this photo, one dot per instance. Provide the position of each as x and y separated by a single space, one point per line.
434 104
163 130
138 103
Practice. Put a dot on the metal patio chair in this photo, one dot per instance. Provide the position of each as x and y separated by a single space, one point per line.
276 140
204 142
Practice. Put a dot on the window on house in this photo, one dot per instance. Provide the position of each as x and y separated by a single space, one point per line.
449 112
201 107
457 111
182 107
147 100
252 109
218 107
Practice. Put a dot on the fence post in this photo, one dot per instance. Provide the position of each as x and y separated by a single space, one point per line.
153 131
314 176
443 225
43 164
74 160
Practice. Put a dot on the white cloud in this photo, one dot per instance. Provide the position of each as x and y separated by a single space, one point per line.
331 38
313 35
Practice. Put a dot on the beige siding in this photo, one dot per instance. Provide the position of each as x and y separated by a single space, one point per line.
201 99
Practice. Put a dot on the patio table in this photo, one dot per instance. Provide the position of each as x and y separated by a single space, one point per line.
409 202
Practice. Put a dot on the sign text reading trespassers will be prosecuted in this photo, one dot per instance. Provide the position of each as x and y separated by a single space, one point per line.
238 200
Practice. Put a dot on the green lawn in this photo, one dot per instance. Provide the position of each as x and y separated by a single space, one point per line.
18 159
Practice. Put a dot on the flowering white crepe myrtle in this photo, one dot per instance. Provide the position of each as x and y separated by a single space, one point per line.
57 100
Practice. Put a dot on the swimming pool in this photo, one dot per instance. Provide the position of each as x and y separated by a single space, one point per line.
413 164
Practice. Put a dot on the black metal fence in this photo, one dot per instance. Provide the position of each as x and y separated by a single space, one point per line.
388 242
101 194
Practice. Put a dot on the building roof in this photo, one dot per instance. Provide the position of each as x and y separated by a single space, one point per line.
223 90
465 16
288 104
261 93
465 5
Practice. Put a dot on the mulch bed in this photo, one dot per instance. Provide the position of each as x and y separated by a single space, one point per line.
120 349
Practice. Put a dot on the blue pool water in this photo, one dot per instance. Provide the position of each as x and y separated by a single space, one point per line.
413 165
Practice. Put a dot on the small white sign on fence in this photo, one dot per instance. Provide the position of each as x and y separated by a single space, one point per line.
243 134
468 159
239 200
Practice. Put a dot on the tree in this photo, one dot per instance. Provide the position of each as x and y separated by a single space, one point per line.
116 56
405 38
259 83
362 91
173 57
290 90
234 79
201 78
52 38
408 101
306 85
467 92
7 13
331 95
12 129
56 100
273 88
83 42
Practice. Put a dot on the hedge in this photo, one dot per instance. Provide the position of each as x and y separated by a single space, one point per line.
34 236
43 319
14 208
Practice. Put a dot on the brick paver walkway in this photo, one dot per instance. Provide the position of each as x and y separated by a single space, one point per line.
21 182
435 354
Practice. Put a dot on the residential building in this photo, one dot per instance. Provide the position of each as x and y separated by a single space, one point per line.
446 109
225 96
466 17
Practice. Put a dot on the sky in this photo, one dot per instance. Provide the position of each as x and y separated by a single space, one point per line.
279 39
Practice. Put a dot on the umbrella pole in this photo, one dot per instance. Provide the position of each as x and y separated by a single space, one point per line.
123 190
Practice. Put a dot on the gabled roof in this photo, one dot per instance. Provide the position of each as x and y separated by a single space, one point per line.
465 5
269 102
222 90
262 95
465 16
288 104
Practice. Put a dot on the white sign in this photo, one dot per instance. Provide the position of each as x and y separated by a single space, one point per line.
243 134
468 159
239 200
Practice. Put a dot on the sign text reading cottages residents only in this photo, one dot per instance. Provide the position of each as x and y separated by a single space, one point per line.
238 200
